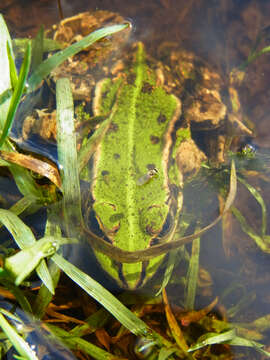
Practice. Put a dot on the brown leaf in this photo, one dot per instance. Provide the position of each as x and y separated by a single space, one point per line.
175 329
41 167
104 338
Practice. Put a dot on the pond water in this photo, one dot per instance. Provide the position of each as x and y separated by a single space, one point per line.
234 259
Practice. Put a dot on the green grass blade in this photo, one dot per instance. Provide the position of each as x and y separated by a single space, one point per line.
260 200
18 294
16 97
89 146
21 205
48 65
76 343
21 233
17 341
5 83
104 297
262 242
25 182
165 354
240 341
12 67
49 45
6 95
213 338
253 56
38 48
192 275
44 295
67 156
169 269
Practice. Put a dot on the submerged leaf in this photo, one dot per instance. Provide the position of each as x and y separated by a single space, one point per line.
213 338
175 328
42 168
17 341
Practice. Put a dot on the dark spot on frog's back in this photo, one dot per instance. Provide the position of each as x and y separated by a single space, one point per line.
116 217
154 139
147 88
105 173
161 119
116 156
113 127
131 78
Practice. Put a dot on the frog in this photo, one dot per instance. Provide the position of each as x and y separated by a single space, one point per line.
149 151
140 166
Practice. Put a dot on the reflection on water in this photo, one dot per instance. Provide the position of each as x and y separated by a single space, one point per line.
234 257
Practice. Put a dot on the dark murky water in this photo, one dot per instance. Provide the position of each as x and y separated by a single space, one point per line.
222 33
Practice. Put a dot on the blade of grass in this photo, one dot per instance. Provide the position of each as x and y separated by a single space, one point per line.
25 182
262 242
44 295
169 269
254 56
49 45
17 341
5 96
18 295
67 157
104 297
21 233
38 48
48 65
165 354
5 83
239 341
213 338
260 200
192 275
21 205
89 146
77 343
16 97
12 67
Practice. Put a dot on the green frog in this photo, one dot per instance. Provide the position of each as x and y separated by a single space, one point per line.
141 163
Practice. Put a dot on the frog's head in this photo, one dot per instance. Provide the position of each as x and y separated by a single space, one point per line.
132 229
